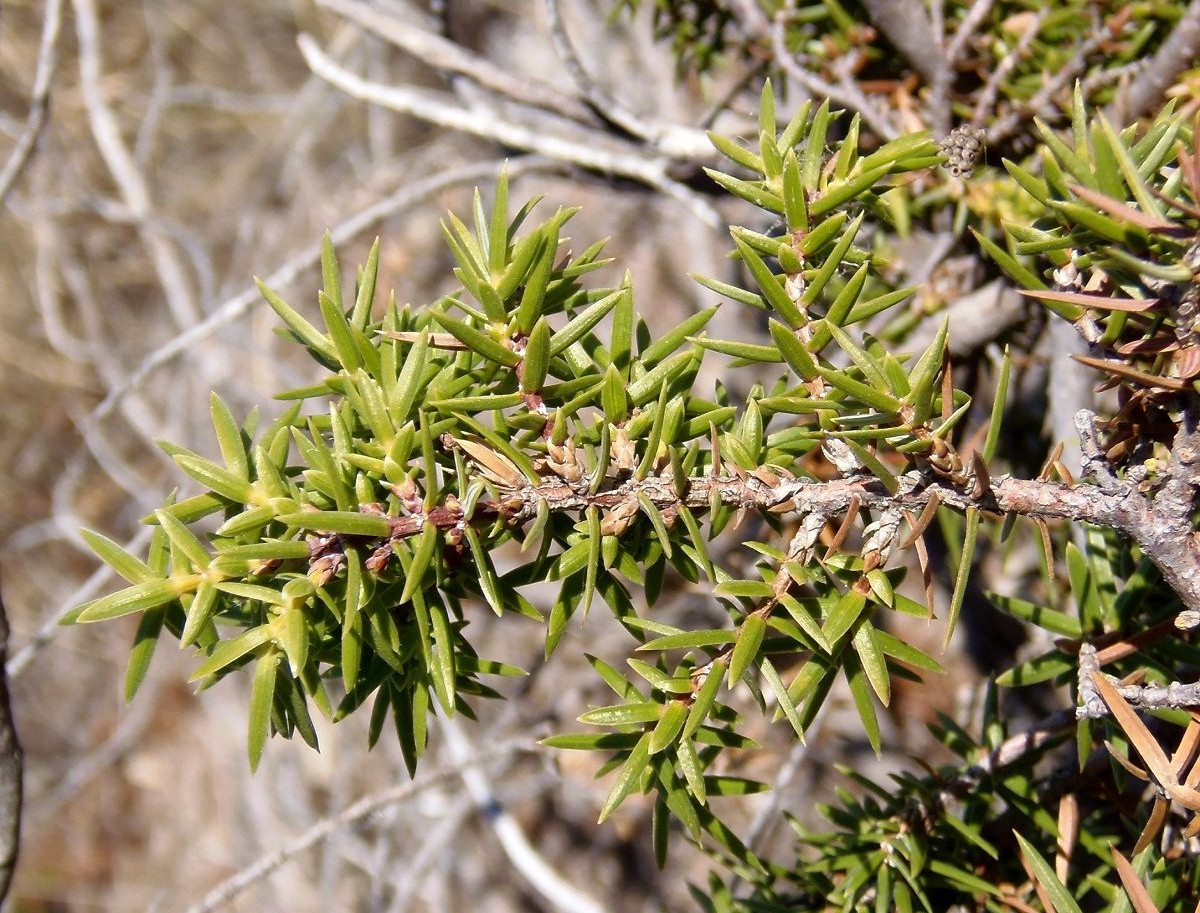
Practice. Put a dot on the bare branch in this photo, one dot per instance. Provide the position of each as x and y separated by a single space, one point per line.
1176 54
525 858
1012 750
751 17
671 139
588 149
10 774
601 99
966 30
905 23
369 805
98 761
846 91
39 98
562 140
1006 126
987 96
124 170
448 56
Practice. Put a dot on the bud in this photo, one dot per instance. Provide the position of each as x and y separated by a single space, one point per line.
962 149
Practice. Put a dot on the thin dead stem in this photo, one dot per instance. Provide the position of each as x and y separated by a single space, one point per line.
39 100
364 808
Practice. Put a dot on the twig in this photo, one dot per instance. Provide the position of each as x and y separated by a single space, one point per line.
601 99
147 131
99 760
1162 532
987 95
584 147
124 171
674 140
39 98
403 198
1006 126
1012 750
230 101
937 109
102 354
732 91
417 866
1091 706
846 91
444 54
906 25
966 31
768 814
976 319
1104 77
751 17
1176 53
1071 383
525 858
587 148
363 808
10 774
1092 461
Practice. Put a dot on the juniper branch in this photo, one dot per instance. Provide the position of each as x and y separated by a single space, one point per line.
1165 538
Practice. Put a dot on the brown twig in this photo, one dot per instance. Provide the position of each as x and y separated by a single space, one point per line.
1160 529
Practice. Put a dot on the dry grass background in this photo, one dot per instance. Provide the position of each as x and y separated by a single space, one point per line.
244 159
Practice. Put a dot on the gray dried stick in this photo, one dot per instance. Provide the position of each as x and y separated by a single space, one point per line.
10 774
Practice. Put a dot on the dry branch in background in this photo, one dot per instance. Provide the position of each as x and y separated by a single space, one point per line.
11 781
1149 85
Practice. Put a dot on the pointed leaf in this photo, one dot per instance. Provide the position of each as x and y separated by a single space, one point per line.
668 727
305 331
346 522
262 699
228 652
745 651
478 342
704 699
138 598
1044 875
422 557
128 566
628 779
